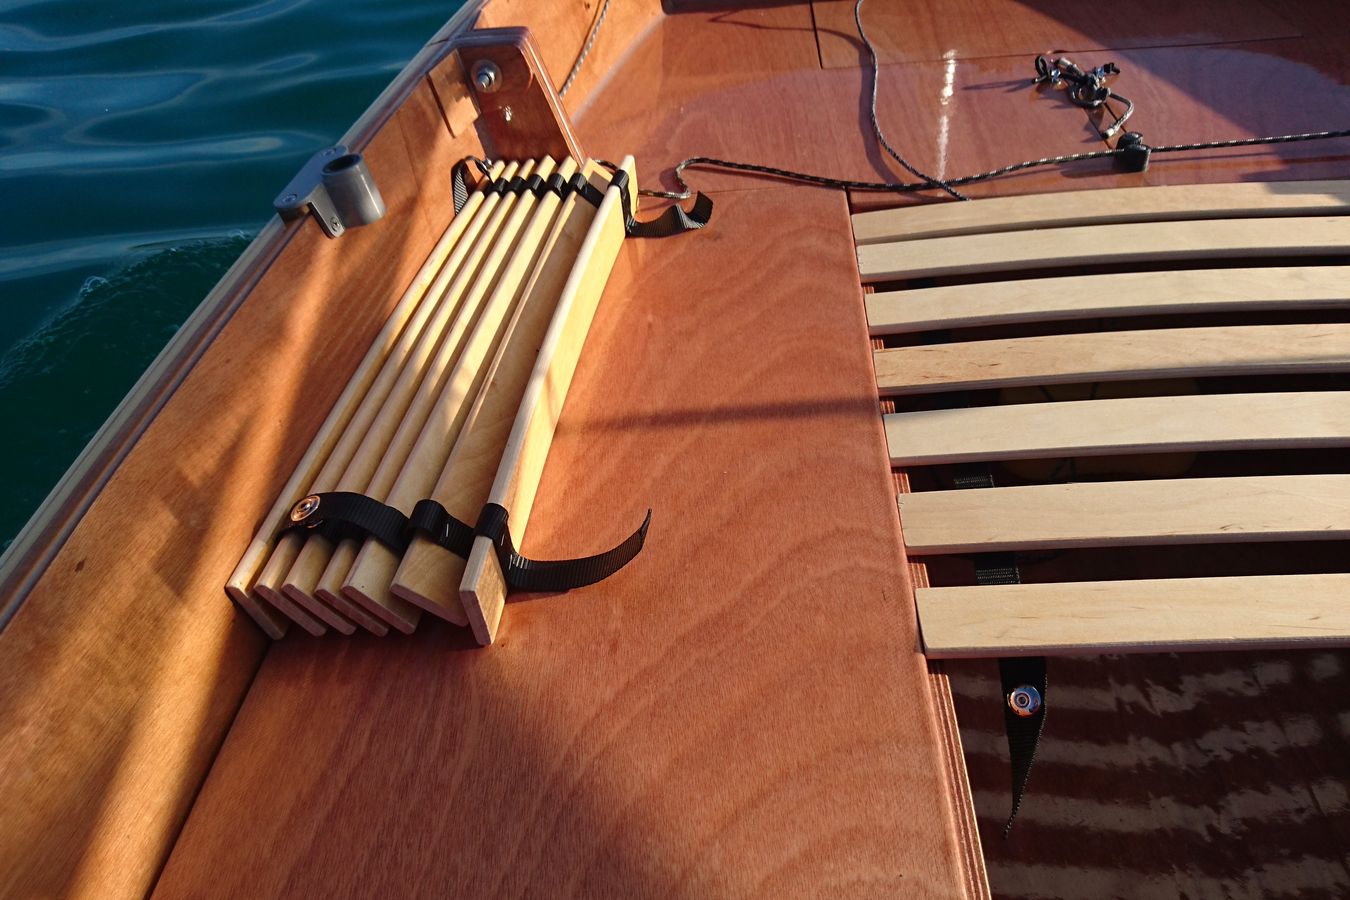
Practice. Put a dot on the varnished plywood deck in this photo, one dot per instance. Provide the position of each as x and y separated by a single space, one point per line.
744 710
740 712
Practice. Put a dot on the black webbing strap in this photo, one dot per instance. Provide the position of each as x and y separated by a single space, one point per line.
1015 673
673 221
342 514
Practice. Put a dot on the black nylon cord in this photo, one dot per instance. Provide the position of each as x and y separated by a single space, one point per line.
929 181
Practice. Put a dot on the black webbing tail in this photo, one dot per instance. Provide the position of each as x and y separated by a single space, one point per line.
459 180
342 514
1023 679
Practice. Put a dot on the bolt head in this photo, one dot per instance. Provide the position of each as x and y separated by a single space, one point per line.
1024 700
486 76
305 508
290 198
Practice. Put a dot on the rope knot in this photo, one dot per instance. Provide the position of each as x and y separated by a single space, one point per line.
1085 89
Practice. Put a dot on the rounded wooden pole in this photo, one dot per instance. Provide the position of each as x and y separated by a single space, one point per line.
378 378
241 581
374 475
429 576
302 577
483 588
372 572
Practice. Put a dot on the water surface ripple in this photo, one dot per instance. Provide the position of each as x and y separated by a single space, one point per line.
140 148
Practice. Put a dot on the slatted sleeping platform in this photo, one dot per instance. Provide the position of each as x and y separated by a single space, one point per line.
1093 354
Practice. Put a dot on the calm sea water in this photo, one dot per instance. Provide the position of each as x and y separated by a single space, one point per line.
141 145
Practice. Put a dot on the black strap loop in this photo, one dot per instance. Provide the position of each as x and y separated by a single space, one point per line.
673 221
342 514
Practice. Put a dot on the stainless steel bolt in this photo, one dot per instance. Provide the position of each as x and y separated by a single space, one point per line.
1024 700
486 76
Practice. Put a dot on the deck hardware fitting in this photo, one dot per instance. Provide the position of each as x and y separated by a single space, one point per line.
487 77
1024 700
337 187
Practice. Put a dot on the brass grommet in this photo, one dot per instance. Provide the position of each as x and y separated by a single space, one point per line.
305 508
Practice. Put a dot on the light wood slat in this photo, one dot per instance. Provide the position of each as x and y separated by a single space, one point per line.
1114 356
1130 425
1144 616
1145 204
1127 513
483 587
1105 244
1116 294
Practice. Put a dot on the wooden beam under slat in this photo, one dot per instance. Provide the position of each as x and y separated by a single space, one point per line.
1144 616
1114 356
1142 204
1116 294
1105 244
1130 425
1127 513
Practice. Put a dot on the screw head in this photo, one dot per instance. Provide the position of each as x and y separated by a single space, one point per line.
1024 700
305 508
331 151
335 224
290 198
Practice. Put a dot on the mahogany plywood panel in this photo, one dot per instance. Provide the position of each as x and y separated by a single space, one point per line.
1114 356
1114 294
1205 422
1128 513
1161 615
124 667
1185 95
765 726
1181 95
765 99
913 31
560 28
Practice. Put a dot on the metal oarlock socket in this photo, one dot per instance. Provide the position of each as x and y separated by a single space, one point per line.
337 187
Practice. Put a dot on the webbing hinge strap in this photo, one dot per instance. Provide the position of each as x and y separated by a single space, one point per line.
1023 679
342 514
674 220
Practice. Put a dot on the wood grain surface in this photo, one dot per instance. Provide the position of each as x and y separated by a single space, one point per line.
906 31
1290 612
1068 208
122 671
1205 422
1114 356
483 588
427 575
1128 513
1115 294
1106 244
742 710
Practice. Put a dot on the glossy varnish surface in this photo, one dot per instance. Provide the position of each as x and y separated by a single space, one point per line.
740 712
743 710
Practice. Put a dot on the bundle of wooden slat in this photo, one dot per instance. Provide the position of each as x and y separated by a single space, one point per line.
973 305
456 400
